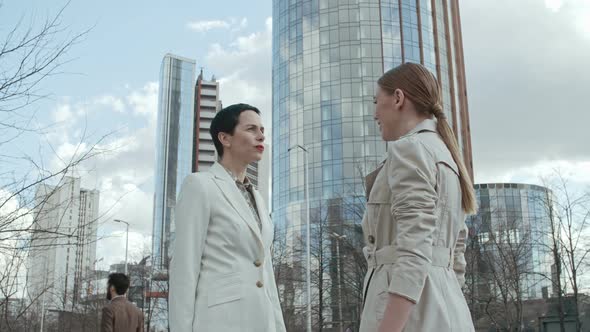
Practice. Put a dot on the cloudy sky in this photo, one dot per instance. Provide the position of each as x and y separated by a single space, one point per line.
527 73
528 83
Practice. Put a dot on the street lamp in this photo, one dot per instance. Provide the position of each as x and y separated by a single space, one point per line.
95 276
306 176
127 241
338 238
95 291
96 273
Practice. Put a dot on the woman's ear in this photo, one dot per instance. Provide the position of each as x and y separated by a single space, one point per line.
398 98
225 139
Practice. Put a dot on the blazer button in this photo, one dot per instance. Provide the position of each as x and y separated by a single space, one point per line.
371 239
259 284
257 263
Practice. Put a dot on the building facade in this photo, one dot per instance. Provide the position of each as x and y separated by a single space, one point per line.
327 57
509 246
174 148
207 104
264 175
63 248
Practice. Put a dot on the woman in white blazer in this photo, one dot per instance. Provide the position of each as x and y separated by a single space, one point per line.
221 274
414 224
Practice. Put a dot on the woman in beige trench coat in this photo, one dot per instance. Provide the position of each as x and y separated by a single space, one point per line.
414 224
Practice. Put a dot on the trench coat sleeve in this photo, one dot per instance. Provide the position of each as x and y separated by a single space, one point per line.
459 262
412 180
192 216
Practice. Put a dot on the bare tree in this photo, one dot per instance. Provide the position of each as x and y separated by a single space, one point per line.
11 304
156 312
514 251
570 241
288 274
502 256
507 259
336 280
337 260
32 51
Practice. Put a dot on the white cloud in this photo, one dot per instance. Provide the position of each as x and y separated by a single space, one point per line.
201 26
577 171
206 25
578 12
111 247
243 23
114 103
123 173
74 118
583 21
245 68
9 204
14 218
145 101
519 81
62 113
554 5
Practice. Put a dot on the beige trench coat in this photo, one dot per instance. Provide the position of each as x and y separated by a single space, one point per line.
414 228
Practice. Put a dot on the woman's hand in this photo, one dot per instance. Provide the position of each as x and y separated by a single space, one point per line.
396 314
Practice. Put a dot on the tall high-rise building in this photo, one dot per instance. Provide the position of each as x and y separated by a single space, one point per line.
252 173
207 104
174 148
509 246
263 180
259 174
63 248
327 57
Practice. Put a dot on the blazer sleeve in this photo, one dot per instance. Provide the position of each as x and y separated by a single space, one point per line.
412 180
192 217
106 324
278 313
459 262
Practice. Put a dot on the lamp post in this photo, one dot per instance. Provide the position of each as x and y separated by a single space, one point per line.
126 241
95 288
338 238
96 291
308 244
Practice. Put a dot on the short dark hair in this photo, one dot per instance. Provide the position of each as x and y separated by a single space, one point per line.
225 121
120 281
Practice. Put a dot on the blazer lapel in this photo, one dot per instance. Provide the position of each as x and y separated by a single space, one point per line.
233 195
267 225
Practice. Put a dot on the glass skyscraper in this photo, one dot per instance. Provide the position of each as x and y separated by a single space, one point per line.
509 246
174 148
327 57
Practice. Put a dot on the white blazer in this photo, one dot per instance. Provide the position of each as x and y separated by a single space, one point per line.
221 274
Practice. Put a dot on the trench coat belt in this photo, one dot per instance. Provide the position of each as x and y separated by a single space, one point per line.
441 256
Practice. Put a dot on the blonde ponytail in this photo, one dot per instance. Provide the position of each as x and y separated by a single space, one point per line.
445 131
422 89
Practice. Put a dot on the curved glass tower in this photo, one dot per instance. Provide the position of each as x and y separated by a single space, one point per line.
327 56
512 226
